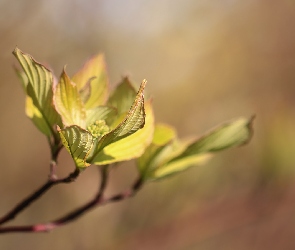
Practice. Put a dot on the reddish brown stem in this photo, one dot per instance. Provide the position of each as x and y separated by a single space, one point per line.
98 200
37 194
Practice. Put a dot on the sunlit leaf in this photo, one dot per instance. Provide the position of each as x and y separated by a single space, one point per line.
94 70
228 135
163 135
185 155
179 166
78 143
123 96
134 121
129 147
36 116
100 113
23 78
39 89
85 92
68 103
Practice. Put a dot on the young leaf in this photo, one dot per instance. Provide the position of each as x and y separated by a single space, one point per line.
39 89
100 113
85 92
129 147
37 117
31 110
123 96
78 142
175 167
68 103
134 121
229 135
163 135
93 71
23 78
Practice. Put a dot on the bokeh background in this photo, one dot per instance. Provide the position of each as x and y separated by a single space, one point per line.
206 62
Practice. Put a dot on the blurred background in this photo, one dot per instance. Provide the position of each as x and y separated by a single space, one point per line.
206 62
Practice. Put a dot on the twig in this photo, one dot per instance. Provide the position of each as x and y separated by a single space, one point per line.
98 200
35 195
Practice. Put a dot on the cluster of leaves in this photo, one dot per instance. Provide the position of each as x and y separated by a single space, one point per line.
99 127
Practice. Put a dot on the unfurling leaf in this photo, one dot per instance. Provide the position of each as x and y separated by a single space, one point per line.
106 113
78 143
123 96
163 135
133 121
129 147
68 103
93 73
179 156
86 146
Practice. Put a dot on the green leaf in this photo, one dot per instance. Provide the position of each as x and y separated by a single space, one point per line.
228 135
93 71
163 135
85 92
68 103
100 113
188 154
23 78
123 96
78 143
37 117
130 147
39 89
175 167
31 110
134 121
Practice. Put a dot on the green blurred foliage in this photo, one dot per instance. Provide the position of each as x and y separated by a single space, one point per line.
213 60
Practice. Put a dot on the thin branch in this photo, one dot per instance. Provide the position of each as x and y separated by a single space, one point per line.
98 200
55 148
37 194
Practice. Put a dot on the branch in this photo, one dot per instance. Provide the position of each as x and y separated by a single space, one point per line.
98 200
37 194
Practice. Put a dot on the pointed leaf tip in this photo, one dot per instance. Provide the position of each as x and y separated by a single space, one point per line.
134 120
129 147
143 83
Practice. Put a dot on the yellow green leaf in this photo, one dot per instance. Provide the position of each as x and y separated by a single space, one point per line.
100 113
93 71
123 96
133 121
163 135
68 103
179 157
78 143
129 147
235 133
23 78
179 166
36 116
39 88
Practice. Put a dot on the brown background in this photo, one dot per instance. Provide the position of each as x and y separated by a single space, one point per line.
205 62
